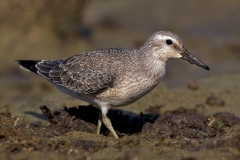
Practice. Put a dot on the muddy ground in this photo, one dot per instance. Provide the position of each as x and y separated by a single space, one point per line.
180 134
191 114
199 124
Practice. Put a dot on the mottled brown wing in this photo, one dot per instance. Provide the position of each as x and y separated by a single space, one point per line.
83 73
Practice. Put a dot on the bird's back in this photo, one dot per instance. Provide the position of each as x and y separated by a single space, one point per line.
88 72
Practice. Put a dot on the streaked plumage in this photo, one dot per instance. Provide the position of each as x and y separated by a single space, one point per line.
113 77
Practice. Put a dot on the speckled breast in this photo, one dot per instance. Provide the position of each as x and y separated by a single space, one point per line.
127 90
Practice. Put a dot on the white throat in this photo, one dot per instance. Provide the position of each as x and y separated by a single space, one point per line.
155 67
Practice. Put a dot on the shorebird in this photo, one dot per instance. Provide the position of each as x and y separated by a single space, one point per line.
113 77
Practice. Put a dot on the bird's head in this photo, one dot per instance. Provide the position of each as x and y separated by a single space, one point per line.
165 45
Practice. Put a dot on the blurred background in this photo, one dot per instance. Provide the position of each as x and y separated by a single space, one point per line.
33 29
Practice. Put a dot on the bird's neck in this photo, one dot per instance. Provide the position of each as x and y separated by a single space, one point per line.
153 67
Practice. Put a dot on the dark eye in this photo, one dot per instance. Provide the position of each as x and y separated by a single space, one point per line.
169 42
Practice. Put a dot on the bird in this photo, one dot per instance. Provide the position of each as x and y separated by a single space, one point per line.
113 77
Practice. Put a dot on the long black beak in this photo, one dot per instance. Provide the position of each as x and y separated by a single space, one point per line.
193 60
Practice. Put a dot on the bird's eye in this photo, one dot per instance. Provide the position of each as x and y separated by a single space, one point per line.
169 42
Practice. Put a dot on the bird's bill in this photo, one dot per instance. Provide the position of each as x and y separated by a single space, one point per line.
193 60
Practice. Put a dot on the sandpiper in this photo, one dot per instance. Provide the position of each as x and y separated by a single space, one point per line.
113 77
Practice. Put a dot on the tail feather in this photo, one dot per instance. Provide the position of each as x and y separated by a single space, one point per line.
28 65
43 68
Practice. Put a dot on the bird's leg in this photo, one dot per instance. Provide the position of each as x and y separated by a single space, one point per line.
99 122
108 124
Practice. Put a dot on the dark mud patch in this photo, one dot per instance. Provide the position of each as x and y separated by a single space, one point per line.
215 101
182 133
84 118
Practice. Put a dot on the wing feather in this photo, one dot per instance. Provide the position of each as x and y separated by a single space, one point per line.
88 73
84 73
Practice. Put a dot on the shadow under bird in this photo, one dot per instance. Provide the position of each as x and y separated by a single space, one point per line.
113 77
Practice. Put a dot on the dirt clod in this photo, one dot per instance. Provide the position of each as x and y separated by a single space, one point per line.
215 101
192 85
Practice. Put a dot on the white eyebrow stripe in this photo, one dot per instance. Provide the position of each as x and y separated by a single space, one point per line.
163 37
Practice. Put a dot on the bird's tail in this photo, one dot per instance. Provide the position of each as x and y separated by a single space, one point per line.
29 65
